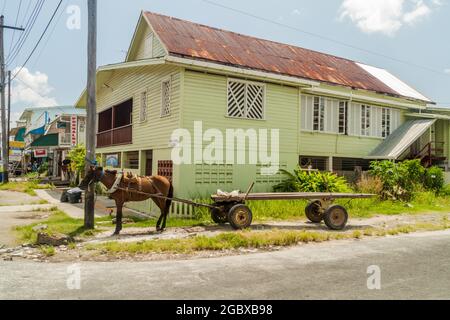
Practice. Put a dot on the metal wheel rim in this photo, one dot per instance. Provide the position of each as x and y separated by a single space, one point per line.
337 216
241 217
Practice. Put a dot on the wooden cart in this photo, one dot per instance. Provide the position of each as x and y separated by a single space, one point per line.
233 209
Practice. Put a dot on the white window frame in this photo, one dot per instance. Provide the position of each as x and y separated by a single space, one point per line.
321 119
345 105
143 107
163 104
365 121
386 122
245 115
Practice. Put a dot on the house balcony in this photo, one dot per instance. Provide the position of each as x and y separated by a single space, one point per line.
65 139
115 137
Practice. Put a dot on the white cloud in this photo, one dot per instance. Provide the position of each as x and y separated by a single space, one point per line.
447 70
296 12
421 10
32 89
386 16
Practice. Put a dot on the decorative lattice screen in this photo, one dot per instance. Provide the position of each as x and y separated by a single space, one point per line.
245 100
143 111
165 106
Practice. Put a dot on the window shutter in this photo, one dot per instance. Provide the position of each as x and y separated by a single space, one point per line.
246 99
236 99
255 101
148 45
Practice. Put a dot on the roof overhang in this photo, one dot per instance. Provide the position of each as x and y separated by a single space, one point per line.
218 68
401 139
428 116
105 71
360 96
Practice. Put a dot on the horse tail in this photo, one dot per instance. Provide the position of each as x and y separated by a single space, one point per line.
168 201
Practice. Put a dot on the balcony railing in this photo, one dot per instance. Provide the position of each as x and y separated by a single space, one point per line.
116 136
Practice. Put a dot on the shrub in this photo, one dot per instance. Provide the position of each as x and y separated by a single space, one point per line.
304 181
403 179
400 180
434 179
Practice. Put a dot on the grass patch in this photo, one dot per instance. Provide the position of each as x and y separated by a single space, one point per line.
58 222
424 202
251 240
48 251
27 187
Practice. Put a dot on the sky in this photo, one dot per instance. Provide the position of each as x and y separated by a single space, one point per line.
407 37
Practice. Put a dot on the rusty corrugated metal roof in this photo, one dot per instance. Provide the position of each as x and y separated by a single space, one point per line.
189 39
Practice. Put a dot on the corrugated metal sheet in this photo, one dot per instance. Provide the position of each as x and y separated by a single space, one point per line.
188 39
402 138
394 82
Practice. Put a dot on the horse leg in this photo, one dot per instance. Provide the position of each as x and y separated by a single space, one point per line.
166 210
119 206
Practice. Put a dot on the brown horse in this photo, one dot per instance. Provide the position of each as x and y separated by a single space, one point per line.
132 189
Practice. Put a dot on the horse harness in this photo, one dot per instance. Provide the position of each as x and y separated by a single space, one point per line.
134 184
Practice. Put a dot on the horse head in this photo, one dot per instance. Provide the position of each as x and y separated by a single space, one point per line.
94 174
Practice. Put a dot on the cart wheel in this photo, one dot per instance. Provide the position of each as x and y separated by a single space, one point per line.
240 217
313 212
219 216
336 217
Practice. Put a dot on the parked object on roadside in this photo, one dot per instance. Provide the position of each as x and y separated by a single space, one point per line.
73 196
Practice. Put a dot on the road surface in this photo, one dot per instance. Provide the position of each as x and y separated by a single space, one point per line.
413 266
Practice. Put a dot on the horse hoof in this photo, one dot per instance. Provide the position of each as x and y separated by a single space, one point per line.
115 234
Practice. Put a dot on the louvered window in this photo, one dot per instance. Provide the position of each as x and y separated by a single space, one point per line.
165 98
319 114
343 116
385 122
365 120
246 99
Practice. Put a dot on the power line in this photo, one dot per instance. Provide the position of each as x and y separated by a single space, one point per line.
15 23
312 34
28 27
26 12
4 6
40 39
48 39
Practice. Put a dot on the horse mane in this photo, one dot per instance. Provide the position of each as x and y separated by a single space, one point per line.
114 172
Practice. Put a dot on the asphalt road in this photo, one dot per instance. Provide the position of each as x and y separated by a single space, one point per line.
412 267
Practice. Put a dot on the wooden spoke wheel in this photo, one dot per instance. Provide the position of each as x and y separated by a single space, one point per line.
314 211
240 217
219 215
336 217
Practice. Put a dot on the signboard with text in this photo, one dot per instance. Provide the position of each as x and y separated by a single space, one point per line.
73 130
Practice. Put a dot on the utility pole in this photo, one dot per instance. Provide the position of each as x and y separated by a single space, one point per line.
91 112
9 104
5 135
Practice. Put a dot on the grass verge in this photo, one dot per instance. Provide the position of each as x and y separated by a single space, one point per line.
253 240
58 222
424 202
27 187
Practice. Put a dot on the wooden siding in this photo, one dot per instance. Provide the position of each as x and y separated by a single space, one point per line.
139 49
155 132
205 99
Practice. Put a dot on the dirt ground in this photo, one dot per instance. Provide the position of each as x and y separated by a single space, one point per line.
15 219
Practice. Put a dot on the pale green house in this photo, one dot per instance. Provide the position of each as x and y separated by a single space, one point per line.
330 113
